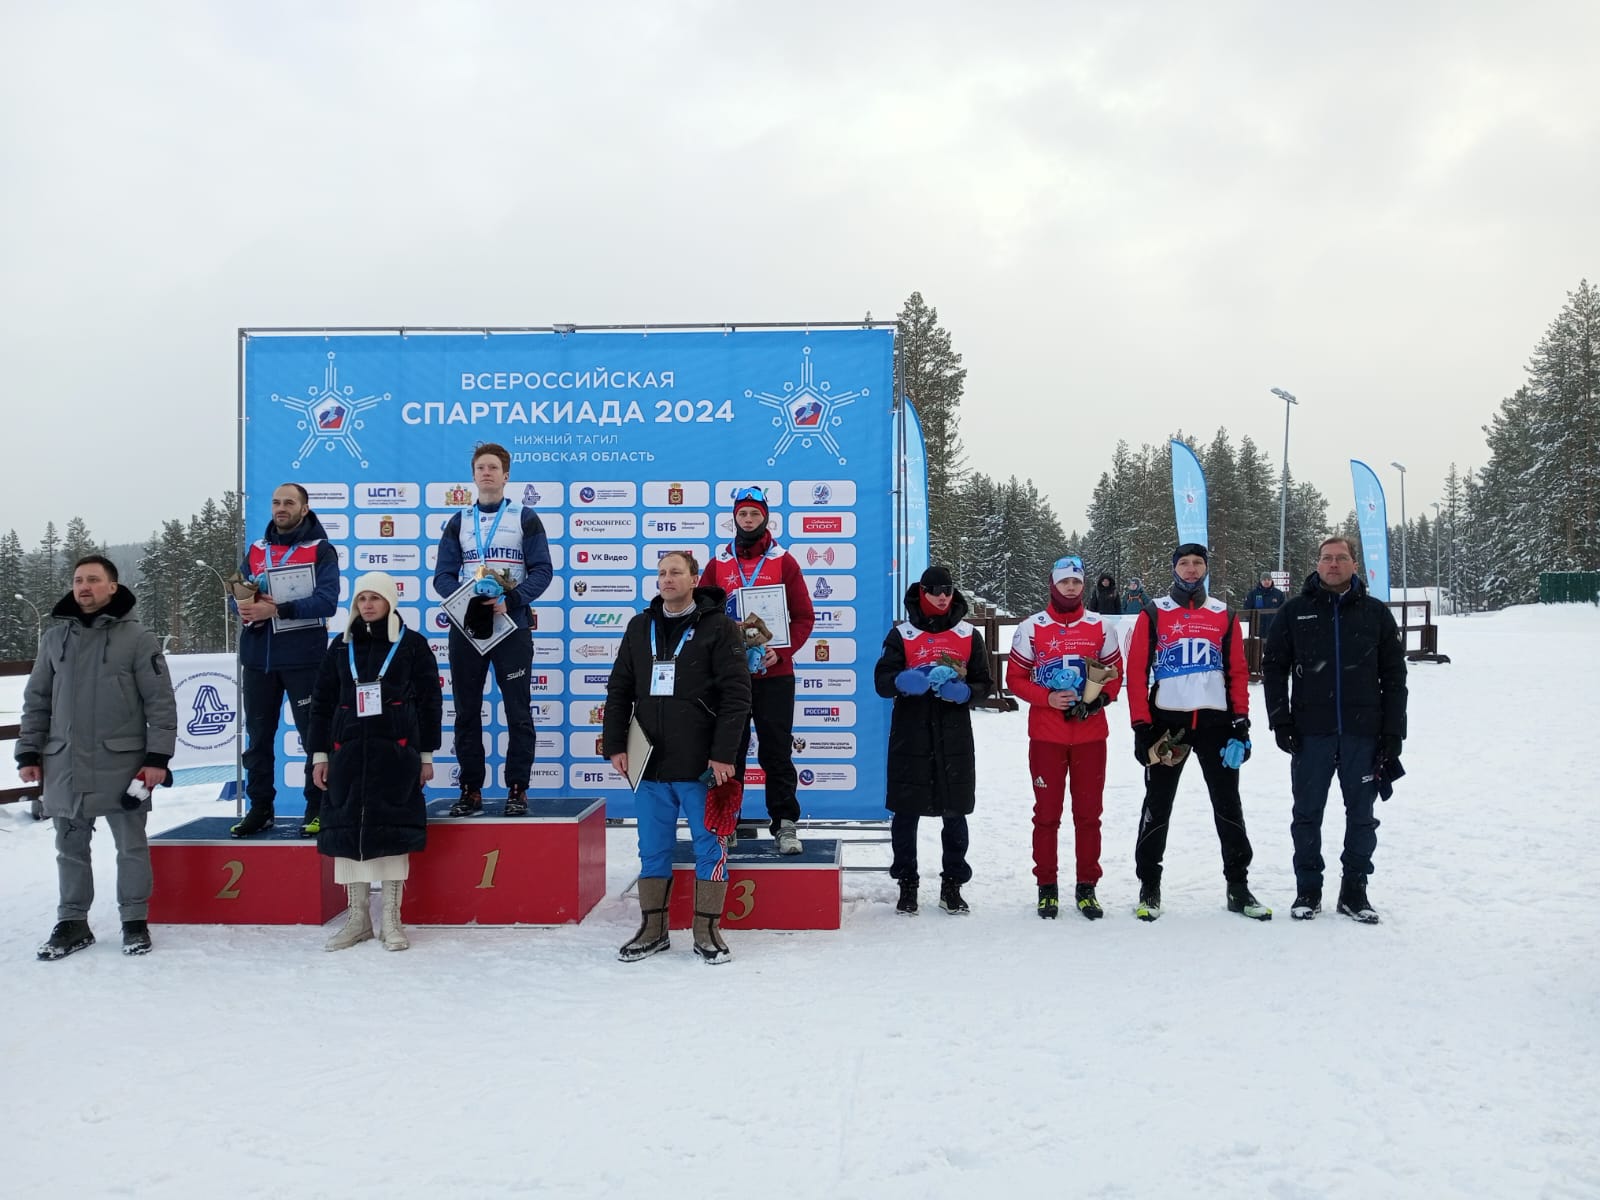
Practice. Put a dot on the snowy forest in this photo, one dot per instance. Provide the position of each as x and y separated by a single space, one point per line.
1533 506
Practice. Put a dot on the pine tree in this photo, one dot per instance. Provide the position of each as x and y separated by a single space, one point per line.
75 544
18 629
932 377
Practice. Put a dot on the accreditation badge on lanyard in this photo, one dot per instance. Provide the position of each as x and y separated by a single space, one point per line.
369 696
664 675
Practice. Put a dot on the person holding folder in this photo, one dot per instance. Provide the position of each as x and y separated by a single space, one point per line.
679 699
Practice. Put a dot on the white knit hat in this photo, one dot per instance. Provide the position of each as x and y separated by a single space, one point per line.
380 583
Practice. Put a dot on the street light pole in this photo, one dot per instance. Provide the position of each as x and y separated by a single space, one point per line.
38 617
1401 468
1283 488
227 612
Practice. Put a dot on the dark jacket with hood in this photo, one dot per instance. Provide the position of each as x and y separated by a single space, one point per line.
1106 599
374 805
933 768
260 649
705 717
1344 654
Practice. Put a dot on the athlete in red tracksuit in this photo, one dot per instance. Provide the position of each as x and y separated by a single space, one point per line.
1066 739
1186 671
753 559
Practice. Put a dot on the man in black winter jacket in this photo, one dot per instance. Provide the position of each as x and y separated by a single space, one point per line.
1106 598
1346 713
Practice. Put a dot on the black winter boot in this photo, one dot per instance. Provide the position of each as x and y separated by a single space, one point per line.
1089 903
950 899
68 937
1353 900
1242 901
1307 904
1049 901
469 804
136 937
907 903
517 800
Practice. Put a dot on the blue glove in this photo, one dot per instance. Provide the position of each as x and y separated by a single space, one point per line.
488 586
941 674
955 690
912 682
1234 753
755 657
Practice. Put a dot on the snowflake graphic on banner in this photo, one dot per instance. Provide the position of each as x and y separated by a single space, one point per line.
809 411
1375 554
328 415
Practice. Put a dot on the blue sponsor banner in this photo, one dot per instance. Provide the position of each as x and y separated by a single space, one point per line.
915 541
628 444
1188 495
1372 518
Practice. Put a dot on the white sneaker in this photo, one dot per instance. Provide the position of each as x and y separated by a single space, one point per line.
788 840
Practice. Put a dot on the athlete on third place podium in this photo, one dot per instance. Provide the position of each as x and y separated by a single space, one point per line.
494 535
754 560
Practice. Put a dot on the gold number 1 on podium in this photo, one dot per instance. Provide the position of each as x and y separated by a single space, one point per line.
491 860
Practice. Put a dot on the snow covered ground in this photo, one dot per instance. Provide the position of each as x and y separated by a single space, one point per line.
1450 1051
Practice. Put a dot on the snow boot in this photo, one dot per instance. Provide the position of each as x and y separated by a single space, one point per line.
1049 901
1088 903
468 804
68 937
1246 905
950 899
517 800
652 936
908 898
311 828
709 897
1149 906
1353 900
357 925
788 840
1306 905
256 818
136 937
394 934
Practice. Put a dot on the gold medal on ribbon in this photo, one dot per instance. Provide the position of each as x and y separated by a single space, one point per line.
482 572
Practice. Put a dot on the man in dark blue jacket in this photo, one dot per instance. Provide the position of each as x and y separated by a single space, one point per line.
1347 714
496 539
281 646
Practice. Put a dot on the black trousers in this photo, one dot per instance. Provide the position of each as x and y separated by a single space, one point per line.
1161 786
954 839
512 660
263 701
772 713
1311 772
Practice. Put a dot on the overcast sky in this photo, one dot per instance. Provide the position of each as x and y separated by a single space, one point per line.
1133 218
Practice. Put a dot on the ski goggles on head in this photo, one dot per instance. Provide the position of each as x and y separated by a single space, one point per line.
758 494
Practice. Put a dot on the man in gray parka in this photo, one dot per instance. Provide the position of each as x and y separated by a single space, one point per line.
99 724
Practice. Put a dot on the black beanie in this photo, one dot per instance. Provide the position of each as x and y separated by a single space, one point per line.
1191 548
937 576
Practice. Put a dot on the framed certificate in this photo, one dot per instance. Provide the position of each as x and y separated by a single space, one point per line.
456 609
640 749
292 583
771 604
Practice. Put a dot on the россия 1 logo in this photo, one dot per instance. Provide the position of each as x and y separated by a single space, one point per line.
808 411
328 414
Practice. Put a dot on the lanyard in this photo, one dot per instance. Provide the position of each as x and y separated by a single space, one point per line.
355 678
272 566
743 582
477 528
682 641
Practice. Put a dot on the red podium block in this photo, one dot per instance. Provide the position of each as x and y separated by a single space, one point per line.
205 877
547 868
768 890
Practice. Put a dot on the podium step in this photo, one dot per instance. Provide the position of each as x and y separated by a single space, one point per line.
768 890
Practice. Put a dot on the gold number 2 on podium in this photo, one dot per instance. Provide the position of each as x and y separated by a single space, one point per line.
235 870
491 860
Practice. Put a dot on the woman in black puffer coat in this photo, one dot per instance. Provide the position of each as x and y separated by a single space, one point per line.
375 722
